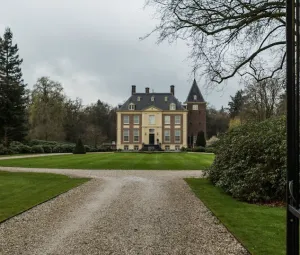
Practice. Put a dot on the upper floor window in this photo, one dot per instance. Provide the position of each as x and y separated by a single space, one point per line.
152 98
166 99
136 134
131 106
151 119
167 120
139 98
126 119
178 119
195 97
172 106
126 135
195 107
136 119
167 136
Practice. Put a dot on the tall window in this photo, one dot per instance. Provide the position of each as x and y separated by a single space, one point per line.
139 98
167 136
195 97
151 119
172 107
195 107
126 119
166 99
131 107
177 136
136 134
177 119
136 119
195 139
126 135
167 120
152 98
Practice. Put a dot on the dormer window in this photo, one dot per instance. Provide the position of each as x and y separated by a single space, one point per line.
139 98
152 98
131 106
172 107
166 99
195 97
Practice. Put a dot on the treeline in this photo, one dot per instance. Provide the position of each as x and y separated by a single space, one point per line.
45 112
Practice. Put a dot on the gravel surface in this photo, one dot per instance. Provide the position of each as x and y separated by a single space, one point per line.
120 212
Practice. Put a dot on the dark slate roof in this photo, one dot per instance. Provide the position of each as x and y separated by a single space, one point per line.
145 101
195 91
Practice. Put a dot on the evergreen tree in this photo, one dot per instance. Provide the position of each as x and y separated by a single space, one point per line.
79 148
13 119
201 139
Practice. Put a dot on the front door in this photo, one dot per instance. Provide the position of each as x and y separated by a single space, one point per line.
151 138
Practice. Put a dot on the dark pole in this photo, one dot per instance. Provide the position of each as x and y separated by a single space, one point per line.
292 88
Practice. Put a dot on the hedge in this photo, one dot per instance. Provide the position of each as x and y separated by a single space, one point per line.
250 162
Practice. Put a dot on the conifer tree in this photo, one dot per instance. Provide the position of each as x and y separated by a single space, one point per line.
13 97
201 139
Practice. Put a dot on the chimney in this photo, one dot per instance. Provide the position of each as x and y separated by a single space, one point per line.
172 89
147 90
133 91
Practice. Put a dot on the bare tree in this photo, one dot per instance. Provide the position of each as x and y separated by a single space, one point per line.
227 37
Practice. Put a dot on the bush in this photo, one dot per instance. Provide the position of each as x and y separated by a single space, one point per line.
63 148
183 149
47 148
212 141
210 149
199 149
37 149
87 148
79 148
250 162
201 139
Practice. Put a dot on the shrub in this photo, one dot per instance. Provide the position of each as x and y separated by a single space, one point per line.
87 148
212 141
183 149
37 149
250 162
201 139
79 148
63 148
47 148
199 149
210 149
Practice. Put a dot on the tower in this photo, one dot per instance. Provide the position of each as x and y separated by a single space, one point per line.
196 107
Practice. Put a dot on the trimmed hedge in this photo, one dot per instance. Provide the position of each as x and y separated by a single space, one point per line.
250 162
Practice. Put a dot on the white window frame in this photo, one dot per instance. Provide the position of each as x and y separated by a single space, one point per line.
131 106
126 134
195 97
177 148
151 119
177 119
167 147
194 139
167 119
172 107
168 131
138 98
126 117
177 137
152 98
126 147
195 107
166 99
136 119
136 134
136 147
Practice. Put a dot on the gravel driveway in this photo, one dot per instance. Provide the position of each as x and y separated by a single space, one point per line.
119 212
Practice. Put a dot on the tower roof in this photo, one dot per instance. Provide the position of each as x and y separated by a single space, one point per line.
195 94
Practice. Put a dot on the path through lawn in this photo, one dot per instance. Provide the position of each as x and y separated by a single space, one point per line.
133 161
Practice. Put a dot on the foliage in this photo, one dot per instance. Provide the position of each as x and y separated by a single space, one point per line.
234 123
37 149
217 121
201 139
199 149
250 161
245 220
79 148
210 149
212 141
19 148
47 148
13 119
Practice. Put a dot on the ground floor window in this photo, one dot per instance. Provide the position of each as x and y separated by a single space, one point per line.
167 147
136 147
125 147
195 139
177 148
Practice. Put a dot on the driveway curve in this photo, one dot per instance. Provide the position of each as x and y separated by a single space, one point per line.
119 212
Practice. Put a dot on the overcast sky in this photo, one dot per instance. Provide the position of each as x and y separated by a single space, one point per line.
92 47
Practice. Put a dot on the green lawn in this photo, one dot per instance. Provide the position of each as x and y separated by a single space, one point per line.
142 161
261 229
21 191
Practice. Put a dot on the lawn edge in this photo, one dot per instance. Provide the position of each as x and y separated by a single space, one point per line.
238 239
45 201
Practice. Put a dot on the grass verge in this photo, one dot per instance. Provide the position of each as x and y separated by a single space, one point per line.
21 191
261 229
134 161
